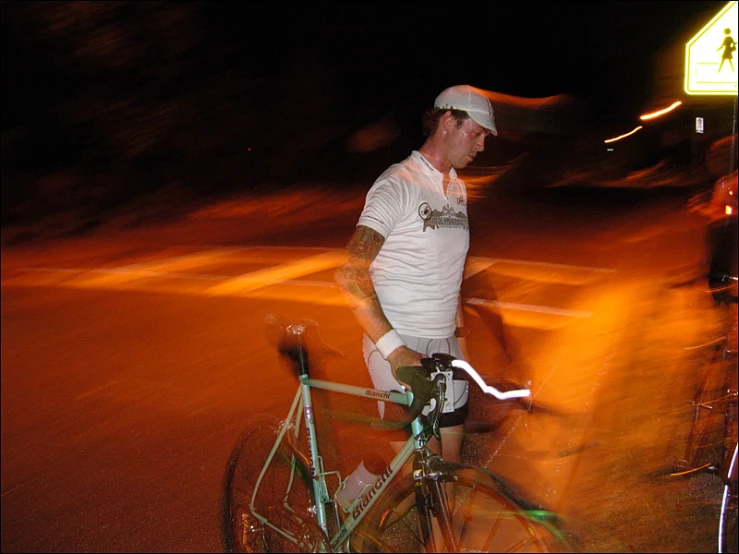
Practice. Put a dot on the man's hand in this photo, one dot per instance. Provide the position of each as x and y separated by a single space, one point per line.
403 356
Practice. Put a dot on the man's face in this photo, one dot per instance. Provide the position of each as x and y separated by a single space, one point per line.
464 142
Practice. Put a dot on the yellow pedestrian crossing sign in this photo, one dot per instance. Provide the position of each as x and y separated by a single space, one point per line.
710 56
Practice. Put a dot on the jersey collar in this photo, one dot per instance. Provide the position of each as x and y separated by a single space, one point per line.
431 169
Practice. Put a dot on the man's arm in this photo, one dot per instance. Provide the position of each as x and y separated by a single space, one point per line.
353 277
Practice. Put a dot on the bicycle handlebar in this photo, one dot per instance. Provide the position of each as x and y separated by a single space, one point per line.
419 380
722 277
723 286
489 389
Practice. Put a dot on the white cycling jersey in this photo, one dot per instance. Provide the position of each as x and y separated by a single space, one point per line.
418 271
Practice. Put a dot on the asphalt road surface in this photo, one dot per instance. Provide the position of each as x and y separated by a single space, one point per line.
132 358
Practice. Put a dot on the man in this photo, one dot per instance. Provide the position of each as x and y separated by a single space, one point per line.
406 258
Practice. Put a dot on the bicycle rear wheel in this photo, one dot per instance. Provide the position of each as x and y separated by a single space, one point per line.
485 519
284 496
703 448
727 532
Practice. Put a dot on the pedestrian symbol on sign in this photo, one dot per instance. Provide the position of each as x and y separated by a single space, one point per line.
728 46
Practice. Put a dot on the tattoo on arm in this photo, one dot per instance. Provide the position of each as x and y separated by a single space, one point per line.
354 276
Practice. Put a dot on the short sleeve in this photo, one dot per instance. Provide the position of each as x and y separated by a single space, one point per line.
383 206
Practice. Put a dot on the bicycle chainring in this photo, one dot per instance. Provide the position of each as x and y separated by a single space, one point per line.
311 538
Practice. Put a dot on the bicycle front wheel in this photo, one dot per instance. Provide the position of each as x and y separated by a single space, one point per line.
283 497
485 519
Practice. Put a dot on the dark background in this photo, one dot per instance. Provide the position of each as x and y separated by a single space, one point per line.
106 101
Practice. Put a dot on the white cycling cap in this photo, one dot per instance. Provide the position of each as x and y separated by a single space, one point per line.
471 100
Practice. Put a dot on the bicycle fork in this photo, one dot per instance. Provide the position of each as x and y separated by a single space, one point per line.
432 504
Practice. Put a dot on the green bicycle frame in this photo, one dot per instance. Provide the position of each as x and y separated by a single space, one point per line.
302 406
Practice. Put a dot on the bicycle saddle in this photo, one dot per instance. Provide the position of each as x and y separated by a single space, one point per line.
295 337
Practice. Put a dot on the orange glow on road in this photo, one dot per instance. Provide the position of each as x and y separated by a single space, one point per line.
658 113
614 139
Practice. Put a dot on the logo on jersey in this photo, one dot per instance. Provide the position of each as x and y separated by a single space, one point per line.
447 218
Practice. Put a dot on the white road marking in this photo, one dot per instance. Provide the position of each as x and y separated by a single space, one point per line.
261 284
277 274
143 273
551 264
185 261
529 308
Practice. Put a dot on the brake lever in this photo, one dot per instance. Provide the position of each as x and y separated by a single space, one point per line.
440 382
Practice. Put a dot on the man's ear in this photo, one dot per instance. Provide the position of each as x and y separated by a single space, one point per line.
447 122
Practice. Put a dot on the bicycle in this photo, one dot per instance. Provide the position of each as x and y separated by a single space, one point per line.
279 496
712 439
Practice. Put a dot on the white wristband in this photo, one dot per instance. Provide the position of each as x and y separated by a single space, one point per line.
389 342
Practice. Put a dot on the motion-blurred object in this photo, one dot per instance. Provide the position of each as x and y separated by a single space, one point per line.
721 157
722 235
724 196
373 137
562 114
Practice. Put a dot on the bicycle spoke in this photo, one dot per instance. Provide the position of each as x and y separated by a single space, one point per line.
282 498
484 519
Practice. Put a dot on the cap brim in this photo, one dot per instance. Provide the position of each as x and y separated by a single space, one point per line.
484 123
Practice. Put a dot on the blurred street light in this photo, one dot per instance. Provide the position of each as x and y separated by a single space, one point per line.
614 139
659 113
